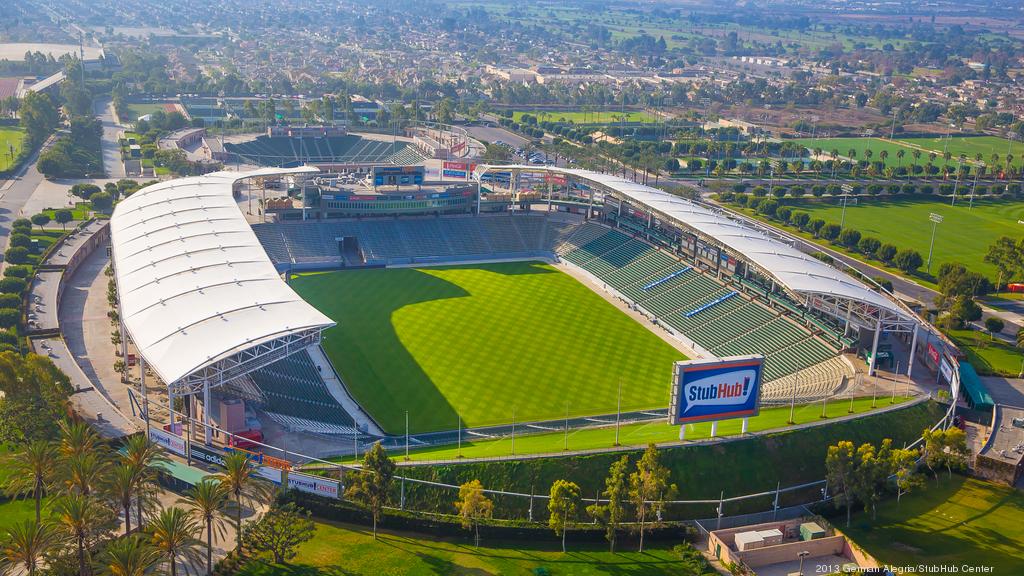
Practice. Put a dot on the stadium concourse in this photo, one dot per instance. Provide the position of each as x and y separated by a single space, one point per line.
203 301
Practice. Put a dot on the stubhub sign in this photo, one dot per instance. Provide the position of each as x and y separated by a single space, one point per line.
716 389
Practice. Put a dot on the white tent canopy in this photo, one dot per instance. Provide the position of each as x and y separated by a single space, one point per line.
799 272
194 283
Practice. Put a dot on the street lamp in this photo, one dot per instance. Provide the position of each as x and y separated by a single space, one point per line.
936 220
847 189
802 555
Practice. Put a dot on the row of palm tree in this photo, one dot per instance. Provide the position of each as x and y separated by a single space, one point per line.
81 486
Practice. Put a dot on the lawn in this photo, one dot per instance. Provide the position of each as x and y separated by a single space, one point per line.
348 549
971 146
990 357
11 139
963 236
481 341
640 434
953 522
860 145
137 109
580 117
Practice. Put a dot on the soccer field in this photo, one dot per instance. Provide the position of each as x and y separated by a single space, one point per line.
963 236
971 146
481 341
954 522
10 146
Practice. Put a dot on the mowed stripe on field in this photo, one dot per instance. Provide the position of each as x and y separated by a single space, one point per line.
480 341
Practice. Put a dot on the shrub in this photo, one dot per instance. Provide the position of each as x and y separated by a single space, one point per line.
816 225
21 240
16 255
739 187
9 317
742 199
818 190
759 191
908 189
869 245
101 201
10 301
783 213
754 203
946 189
17 272
779 192
835 189
908 260
893 188
800 219
830 231
797 191
981 190
926 189
886 252
22 223
768 207
875 189
849 238
12 285
8 338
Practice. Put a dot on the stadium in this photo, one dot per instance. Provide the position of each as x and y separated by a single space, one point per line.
544 297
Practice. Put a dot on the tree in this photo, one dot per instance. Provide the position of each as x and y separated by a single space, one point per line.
120 487
241 485
280 531
173 534
372 482
143 456
612 514
32 471
908 260
933 449
994 325
206 501
24 546
830 231
63 216
955 449
649 487
849 238
40 220
839 467
1007 255
871 471
886 252
83 520
101 201
563 507
473 506
38 116
129 556
17 255
904 466
35 397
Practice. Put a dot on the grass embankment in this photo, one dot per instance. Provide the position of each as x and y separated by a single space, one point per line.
347 549
989 356
741 466
11 140
640 434
489 343
953 522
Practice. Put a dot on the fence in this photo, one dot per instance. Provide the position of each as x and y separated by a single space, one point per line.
185 438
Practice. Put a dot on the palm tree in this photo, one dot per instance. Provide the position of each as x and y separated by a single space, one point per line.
142 456
206 501
241 485
899 157
129 556
25 544
852 153
173 534
83 473
77 437
120 487
81 517
31 471
884 154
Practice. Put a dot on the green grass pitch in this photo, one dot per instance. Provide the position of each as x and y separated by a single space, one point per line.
964 235
952 522
10 146
480 341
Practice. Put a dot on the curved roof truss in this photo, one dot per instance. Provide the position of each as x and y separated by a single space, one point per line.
199 296
809 280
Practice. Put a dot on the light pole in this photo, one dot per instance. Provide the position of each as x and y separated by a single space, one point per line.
936 220
977 172
802 555
846 191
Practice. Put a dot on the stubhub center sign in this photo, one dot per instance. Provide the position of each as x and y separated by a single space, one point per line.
716 389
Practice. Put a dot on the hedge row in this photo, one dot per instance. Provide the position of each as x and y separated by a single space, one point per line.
1009 191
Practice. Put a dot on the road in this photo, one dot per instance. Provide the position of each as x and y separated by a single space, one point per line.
104 110
492 135
14 193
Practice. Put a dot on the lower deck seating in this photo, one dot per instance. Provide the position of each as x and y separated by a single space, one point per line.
293 388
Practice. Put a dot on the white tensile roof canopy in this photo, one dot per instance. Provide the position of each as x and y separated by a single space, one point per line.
194 283
801 273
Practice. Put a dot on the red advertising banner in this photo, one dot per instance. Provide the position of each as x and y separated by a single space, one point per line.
933 353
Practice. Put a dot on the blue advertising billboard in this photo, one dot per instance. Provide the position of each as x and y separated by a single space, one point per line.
715 389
